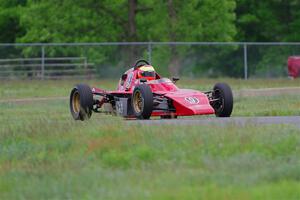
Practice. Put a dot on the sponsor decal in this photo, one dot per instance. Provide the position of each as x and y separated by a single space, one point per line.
192 100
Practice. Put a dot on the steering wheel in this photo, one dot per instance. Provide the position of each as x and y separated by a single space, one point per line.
140 63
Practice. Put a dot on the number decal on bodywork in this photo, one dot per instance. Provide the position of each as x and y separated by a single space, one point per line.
192 100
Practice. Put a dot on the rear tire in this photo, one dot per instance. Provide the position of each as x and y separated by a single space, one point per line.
142 101
223 107
81 102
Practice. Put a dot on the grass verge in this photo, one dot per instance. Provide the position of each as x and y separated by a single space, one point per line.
44 154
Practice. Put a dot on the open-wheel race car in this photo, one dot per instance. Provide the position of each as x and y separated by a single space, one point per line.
143 93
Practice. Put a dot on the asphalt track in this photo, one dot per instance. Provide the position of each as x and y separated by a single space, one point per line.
241 121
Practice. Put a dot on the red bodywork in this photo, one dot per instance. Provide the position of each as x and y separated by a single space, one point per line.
294 66
185 101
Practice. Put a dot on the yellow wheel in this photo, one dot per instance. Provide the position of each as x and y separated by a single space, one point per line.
138 101
76 102
142 101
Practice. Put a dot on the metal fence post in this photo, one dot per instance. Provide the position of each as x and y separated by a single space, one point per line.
85 67
149 52
43 63
245 62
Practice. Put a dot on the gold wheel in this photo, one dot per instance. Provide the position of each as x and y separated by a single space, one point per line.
76 102
138 101
142 101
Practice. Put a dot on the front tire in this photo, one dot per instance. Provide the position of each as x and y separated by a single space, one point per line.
142 101
224 100
81 102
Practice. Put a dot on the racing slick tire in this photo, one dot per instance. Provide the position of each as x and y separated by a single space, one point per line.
81 102
142 101
223 107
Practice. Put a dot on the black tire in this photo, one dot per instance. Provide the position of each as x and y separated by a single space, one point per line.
142 101
223 107
81 102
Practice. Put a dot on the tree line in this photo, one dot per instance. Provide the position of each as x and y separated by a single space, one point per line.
57 21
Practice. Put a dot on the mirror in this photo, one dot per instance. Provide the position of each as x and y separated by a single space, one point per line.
175 79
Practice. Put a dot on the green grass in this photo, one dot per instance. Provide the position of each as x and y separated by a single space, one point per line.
44 154
285 105
54 88
49 156
47 88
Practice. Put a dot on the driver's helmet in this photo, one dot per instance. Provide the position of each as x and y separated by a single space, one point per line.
147 72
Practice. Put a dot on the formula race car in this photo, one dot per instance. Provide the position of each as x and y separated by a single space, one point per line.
143 93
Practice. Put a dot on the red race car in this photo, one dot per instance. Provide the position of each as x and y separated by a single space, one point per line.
143 93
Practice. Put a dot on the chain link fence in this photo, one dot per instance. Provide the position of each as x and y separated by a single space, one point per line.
109 60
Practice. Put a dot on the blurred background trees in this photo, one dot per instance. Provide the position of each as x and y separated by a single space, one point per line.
148 20
67 21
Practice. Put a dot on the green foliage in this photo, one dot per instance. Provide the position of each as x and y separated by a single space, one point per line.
273 20
100 21
10 13
168 20
68 21
97 21
193 21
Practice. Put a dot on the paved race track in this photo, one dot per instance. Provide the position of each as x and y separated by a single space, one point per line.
294 120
